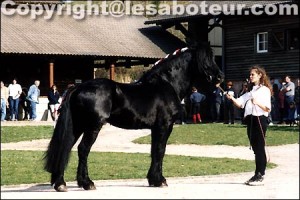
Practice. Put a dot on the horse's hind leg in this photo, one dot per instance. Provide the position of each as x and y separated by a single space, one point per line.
57 177
88 139
159 138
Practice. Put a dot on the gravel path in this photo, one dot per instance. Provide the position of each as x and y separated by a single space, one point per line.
281 182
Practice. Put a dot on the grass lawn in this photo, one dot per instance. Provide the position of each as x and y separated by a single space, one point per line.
20 167
24 167
25 133
221 134
201 134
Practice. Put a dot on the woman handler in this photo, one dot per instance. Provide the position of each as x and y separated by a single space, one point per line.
257 104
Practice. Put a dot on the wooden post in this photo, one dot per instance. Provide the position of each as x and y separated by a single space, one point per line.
112 72
51 73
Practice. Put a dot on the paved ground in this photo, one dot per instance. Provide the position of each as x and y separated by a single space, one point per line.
280 183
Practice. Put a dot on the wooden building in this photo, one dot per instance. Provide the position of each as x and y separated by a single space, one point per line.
65 50
241 35
271 42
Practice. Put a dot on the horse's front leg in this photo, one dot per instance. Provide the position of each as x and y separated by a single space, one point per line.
88 139
159 138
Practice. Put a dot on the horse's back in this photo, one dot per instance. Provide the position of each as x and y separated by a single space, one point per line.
131 106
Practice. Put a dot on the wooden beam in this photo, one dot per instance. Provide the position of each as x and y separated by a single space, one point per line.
51 73
198 29
215 24
183 30
112 72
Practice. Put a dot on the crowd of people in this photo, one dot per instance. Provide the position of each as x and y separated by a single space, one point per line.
15 98
218 109
284 102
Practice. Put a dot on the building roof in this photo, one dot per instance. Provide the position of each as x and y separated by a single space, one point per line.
186 16
125 36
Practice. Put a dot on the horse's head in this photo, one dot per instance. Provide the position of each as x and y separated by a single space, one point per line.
206 63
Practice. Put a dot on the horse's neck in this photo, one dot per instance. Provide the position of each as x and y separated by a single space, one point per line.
180 76
175 72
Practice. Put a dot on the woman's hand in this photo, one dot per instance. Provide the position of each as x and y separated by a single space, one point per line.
228 96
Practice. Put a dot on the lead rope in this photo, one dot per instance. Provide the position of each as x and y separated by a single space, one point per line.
263 135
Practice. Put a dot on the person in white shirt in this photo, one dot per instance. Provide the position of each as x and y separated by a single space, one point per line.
14 90
257 105
4 100
289 95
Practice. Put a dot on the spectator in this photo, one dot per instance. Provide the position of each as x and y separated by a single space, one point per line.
4 101
33 97
281 105
296 98
291 120
196 99
24 103
53 97
289 94
216 103
275 113
15 91
228 105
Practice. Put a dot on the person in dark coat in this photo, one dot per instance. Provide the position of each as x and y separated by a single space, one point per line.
196 99
53 97
216 102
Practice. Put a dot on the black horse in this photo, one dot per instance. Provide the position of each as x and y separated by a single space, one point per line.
153 102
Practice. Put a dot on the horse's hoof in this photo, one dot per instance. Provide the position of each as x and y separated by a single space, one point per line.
61 188
164 184
90 187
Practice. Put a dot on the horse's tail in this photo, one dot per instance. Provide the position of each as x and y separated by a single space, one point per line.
58 152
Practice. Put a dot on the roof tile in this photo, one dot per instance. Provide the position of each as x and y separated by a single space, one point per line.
126 36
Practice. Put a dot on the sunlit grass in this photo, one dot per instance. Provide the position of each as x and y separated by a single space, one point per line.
24 167
25 133
220 134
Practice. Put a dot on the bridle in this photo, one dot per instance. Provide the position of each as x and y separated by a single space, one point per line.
208 77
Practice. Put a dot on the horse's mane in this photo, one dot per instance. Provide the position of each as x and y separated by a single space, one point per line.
160 64
204 51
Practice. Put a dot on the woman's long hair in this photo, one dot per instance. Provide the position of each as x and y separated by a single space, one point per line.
264 80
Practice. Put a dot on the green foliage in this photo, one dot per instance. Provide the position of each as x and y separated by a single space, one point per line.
122 74
24 167
220 134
